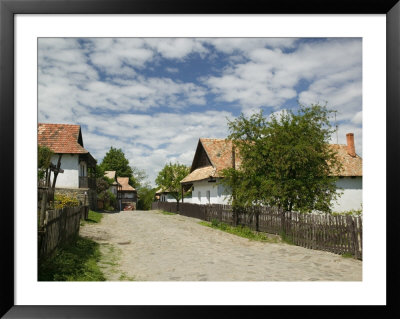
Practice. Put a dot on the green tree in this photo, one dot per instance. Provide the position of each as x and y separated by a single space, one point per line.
169 179
44 160
285 161
115 160
145 197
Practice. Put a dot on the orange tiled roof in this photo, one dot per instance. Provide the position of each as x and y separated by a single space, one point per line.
352 166
61 138
124 181
199 174
219 152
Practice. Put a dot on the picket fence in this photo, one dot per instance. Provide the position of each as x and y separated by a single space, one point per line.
60 226
340 234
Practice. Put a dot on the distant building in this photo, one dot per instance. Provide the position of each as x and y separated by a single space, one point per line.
116 187
127 194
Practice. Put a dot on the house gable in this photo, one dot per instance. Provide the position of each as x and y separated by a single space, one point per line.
201 158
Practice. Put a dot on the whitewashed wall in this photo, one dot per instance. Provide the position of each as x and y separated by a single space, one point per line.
352 194
70 165
167 198
218 194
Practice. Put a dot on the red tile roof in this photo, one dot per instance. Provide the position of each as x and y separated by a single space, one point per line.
352 166
199 174
124 181
61 138
219 152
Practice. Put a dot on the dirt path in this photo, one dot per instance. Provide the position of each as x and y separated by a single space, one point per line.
150 246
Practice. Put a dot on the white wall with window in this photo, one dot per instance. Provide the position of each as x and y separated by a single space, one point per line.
165 197
205 192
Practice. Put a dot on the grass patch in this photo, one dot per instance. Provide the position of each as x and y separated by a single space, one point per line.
93 218
166 213
241 231
76 261
347 255
125 277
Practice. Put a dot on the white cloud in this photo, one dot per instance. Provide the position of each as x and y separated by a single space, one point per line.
150 141
269 77
103 85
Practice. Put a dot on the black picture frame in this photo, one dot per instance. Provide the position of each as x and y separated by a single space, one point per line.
8 8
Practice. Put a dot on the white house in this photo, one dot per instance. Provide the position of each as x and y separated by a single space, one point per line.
165 196
66 140
214 155
350 177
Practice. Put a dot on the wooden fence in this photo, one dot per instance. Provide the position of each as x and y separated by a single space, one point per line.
60 226
339 234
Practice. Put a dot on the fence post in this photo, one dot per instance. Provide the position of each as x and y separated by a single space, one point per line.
257 218
283 228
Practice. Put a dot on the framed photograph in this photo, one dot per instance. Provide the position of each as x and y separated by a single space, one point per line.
117 66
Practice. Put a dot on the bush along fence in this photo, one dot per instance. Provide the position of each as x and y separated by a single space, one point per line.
60 226
340 234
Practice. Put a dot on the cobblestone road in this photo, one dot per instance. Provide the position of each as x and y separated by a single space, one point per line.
157 247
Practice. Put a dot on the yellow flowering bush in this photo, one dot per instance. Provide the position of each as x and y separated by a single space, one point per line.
62 200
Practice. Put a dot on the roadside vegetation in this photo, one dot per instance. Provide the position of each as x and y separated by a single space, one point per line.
241 231
165 212
93 218
76 261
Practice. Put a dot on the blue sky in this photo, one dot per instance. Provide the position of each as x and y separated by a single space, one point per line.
155 97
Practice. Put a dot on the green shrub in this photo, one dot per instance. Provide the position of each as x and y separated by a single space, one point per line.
62 200
214 222
76 261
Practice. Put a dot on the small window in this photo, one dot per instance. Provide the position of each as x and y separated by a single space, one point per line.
199 196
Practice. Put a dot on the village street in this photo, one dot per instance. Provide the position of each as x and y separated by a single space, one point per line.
151 246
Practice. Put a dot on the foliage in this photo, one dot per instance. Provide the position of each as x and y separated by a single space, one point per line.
351 212
102 184
93 217
98 171
166 213
103 192
115 160
109 199
44 160
169 178
145 197
63 200
241 231
286 160
76 261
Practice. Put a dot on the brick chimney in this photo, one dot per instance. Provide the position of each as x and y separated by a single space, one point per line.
351 150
